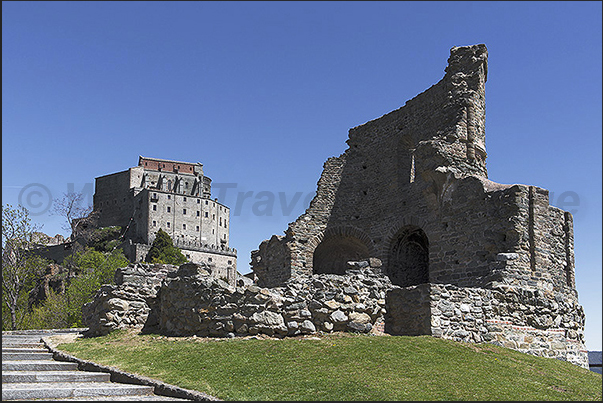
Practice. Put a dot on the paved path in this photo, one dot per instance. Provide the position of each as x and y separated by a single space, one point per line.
30 372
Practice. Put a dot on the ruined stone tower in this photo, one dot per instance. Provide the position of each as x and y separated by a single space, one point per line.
412 192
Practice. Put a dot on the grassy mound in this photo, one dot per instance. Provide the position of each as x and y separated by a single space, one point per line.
340 367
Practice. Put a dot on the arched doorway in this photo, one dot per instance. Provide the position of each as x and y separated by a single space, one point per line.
333 253
409 257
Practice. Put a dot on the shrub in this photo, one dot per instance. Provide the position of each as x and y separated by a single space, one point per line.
64 310
163 250
105 239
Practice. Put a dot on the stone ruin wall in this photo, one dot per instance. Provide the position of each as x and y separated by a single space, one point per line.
377 183
188 301
423 166
526 320
130 303
499 265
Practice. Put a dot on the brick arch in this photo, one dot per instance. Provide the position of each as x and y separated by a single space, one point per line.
342 231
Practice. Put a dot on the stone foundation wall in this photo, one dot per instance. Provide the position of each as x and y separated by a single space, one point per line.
192 303
530 321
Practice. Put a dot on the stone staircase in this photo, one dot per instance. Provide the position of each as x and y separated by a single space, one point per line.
29 372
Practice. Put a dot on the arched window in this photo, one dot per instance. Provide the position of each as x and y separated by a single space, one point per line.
409 257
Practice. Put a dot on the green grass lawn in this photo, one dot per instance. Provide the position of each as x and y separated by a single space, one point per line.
341 367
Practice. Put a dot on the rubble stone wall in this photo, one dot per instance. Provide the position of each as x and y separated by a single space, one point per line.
130 303
192 303
531 321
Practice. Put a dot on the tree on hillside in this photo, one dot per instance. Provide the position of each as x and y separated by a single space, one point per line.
72 208
163 250
20 268
63 309
80 220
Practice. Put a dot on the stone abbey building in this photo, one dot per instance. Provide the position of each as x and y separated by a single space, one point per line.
406 235
174 196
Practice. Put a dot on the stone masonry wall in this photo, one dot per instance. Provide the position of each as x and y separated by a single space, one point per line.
395 168
280 257
192 303
130 303
412 191
532 321
113 199
422 167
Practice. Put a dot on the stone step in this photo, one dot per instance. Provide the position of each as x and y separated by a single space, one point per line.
54 376
145 398
38 366
22 345
29 372
22 336
28 356
42 332
13 340
57 390
23 350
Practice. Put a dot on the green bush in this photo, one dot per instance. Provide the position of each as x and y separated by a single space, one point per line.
64 310
53 313
163 250
22 271
105 239
22 312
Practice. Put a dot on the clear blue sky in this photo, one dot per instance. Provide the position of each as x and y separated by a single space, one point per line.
262 93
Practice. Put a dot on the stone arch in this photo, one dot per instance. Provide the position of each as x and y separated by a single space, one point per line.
395 225
330 250
408 257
